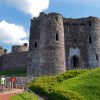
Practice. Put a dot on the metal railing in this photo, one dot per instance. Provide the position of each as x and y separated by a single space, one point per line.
26 89
30 91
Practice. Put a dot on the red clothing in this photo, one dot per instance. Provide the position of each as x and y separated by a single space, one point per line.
13 79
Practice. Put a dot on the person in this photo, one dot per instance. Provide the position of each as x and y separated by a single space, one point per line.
12 81
3 83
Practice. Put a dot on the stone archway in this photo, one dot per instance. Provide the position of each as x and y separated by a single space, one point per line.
74 58
74 62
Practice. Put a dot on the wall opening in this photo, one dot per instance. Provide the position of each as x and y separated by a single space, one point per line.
74 40
74 47
89 23
96 57
35 45
57 37
90 39
75 62
56 18
74 58
36 27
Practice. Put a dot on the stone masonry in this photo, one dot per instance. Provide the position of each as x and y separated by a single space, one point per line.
56 44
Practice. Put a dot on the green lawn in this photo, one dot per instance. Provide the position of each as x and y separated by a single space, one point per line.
24 96
72 85
87 85
13 73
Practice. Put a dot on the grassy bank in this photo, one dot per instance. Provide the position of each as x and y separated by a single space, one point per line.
24 96
72 85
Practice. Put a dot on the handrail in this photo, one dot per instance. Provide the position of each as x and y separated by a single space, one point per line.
28 90
25 88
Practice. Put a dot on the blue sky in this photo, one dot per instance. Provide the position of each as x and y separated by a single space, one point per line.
15 15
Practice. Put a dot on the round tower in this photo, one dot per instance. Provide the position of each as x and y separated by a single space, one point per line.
47 44
52 50
94 42
19 48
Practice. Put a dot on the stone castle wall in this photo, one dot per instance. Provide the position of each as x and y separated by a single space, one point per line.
15 61
76 42
82 41
56 44
1 54
33 64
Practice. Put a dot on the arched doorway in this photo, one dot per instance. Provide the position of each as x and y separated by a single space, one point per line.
75 62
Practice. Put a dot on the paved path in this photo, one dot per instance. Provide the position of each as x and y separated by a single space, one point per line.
8 94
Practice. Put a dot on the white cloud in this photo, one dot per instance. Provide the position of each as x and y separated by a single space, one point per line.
92 3
32 7
12 33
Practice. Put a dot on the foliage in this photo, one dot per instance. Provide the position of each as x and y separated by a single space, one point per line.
46 86
64 95
13 73
71 85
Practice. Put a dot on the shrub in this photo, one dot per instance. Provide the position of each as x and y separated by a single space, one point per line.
45 86
69 74
64 95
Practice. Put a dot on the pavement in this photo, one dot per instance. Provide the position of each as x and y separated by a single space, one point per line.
6 95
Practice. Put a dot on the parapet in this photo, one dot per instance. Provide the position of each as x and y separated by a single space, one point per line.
81 21
42 14
19 48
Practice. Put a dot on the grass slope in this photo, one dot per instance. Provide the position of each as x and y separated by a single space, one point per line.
72 85
24 96
88 85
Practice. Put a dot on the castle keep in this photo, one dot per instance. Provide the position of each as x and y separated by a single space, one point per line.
56 44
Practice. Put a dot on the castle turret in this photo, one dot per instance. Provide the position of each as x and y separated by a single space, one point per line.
94 42
47 37
1 51
19 48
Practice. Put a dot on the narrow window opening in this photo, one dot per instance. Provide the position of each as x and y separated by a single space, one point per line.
89 23
57 37
90 39
56 19
36 27
74 40
74 28
35 44
96 57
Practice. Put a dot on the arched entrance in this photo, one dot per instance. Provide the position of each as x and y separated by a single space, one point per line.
74 58
75 62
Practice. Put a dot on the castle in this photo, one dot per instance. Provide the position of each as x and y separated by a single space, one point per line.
56 44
